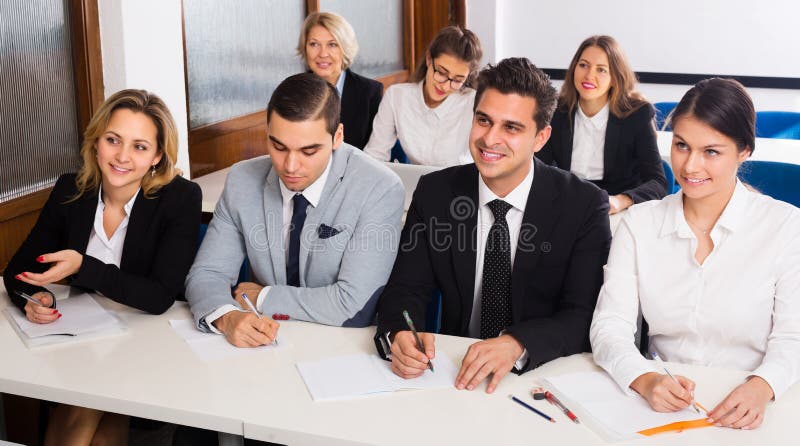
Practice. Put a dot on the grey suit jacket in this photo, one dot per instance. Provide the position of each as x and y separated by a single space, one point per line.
341 273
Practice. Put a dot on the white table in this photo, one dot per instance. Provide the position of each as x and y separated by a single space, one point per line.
767 149
150 372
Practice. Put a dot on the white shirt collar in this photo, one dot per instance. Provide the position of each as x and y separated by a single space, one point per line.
313 192
517 198
340 83
598 121
445 107
128 206
732 216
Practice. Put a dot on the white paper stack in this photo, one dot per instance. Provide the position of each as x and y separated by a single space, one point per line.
355 376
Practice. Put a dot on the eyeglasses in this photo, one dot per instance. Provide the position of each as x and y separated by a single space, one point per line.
441 76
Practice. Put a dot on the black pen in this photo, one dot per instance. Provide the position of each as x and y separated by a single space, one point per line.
416 336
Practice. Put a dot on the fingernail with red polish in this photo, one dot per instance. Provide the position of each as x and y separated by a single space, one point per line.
54 312
25 274
40 259
18 276
59 316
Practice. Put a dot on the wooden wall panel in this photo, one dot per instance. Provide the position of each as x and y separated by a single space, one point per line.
17 217
217 146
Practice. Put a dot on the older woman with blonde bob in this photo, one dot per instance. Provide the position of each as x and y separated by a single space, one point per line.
328 45
125 226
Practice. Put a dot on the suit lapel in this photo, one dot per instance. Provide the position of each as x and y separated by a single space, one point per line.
463 215
138 225
83 221
613 130
273 219
538 221
348 106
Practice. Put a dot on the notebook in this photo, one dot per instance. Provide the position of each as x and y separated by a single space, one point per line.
214 347
613 414
361 375
83 319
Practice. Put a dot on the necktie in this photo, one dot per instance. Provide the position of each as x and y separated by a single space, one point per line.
496 288
298 219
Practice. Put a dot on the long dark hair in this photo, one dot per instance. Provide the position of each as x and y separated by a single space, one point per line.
457 42
622 98
725 106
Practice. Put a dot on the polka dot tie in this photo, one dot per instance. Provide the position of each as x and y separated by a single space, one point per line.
496 288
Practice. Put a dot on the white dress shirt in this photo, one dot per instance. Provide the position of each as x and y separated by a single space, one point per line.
588 144
430 136
312 193
340 84
100 246
517 198
739 309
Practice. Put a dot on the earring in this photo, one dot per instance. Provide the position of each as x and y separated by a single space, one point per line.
152 171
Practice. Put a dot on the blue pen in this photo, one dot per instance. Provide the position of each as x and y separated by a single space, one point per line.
539 412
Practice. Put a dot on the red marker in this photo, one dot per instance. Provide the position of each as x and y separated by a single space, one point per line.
553 400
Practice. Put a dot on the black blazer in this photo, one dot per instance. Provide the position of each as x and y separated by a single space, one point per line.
360 99
557 271
159 246
632 163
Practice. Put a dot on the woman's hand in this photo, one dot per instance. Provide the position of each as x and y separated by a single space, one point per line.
618 203
743 408
64 263
663 393
41 314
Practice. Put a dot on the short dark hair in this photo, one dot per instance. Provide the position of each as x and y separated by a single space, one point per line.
725 106
306 97
518 75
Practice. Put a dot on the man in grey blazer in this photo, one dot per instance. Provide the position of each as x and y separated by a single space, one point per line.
318 220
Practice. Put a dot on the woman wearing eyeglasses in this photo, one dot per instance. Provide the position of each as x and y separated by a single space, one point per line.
432 116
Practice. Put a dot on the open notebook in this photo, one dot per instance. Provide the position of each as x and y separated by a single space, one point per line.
614 415
355 376
83 318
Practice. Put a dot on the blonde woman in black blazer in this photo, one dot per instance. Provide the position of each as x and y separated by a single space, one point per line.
125 226
599 82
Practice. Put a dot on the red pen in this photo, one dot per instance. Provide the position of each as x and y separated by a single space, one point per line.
280 317
553 400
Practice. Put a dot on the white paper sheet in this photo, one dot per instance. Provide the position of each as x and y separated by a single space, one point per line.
214 347
81 315
602 399
356 376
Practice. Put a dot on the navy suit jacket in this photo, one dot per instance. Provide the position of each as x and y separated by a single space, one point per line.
159 246
558 266
632 163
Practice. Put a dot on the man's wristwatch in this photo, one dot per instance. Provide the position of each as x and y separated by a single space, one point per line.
383 344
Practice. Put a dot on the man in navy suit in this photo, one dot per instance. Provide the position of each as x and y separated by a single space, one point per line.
515 247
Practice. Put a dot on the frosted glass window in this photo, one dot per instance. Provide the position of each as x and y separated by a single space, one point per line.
379 30
237 52
38 122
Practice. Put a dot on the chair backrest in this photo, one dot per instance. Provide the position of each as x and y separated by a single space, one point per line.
778 124
780 181
398 154
409 174
663 109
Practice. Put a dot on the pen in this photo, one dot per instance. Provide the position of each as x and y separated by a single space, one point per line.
664 366
30 299
253 309
541 414
555 401
416 336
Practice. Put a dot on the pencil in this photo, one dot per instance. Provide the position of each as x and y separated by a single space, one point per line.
539 412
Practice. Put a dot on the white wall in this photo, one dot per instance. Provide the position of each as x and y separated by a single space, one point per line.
142 47
735 37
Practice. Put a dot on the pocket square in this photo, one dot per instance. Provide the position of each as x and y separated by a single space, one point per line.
326 231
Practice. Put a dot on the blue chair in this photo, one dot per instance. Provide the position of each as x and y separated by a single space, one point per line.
672 185
663 109
780 181
778 124
398 154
